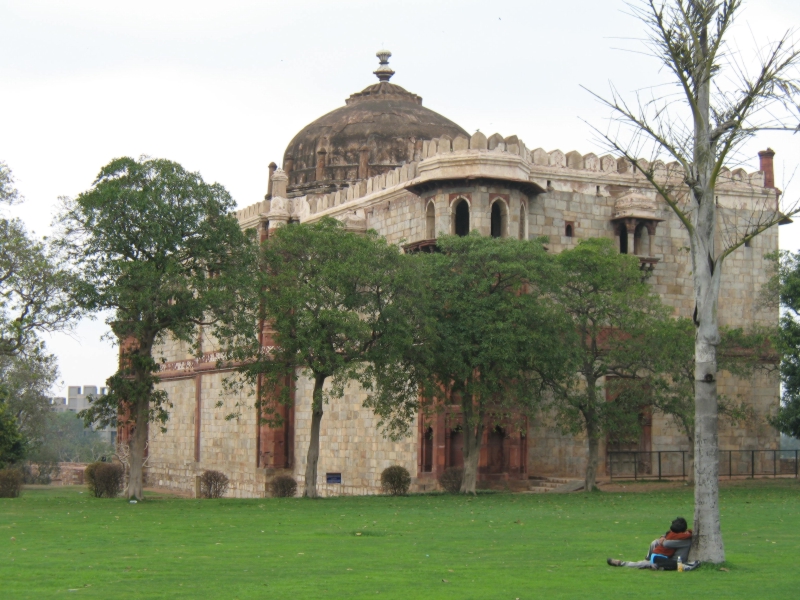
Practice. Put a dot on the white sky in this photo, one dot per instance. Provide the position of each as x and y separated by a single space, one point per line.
222 87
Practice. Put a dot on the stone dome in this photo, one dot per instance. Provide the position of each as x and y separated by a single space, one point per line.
379 129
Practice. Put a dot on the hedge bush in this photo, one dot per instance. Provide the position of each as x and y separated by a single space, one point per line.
395 480
451 480
10 483
104 479
42 472
213 484
283 486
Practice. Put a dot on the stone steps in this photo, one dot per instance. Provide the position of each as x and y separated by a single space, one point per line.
543 485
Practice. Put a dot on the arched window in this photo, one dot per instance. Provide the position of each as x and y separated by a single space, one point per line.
499 227
430 222
427 450
623 239
523 222
568 231
461 218
641 241
496 450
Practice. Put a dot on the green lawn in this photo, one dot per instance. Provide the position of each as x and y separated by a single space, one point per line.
494 546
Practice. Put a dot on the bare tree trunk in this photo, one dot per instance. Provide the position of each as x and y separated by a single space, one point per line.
473 435
708 545
138 444
590 481
313 445
707 270
690 466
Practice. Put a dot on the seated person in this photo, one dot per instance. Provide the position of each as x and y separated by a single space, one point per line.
665 551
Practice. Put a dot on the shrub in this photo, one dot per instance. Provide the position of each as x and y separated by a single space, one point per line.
104 479
213 484
283 486
88 475
10 483
42 472
395 480
451 480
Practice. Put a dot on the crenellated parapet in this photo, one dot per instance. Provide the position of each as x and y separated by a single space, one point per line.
498 158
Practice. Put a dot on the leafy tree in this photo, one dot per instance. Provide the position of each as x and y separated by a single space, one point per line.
34 290
27 380
33 299
8 191
67 439
614 314
785 287
12 443
666 375
495 343
717 105
158 247
337 305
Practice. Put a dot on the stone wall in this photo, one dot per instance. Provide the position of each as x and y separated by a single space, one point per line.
542 192
350 443
226 445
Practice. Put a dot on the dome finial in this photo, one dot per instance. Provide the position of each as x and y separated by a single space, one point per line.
384 72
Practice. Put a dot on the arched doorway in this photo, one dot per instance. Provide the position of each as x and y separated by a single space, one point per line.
430 222
496 454
427 450
623 239
499 226
456 454
461 218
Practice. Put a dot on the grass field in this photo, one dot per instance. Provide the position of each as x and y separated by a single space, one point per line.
60 542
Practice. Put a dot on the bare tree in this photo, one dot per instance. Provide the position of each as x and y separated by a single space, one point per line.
718 103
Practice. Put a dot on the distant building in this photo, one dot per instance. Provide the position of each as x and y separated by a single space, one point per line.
77 400
58 404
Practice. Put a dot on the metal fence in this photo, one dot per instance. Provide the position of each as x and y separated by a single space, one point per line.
674 464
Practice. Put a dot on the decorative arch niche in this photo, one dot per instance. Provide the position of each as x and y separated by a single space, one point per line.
461 217
430 221
499 218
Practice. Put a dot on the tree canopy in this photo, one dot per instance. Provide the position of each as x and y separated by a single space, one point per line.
34 288
158 247
493 345
615 316
785 286
337 306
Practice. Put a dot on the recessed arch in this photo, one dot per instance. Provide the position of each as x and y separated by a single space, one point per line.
523 221
623 239
641 240
430 220
499 218
460 210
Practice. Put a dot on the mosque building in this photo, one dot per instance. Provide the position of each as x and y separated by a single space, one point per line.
384 161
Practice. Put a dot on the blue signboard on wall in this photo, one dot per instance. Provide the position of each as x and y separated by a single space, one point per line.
333 478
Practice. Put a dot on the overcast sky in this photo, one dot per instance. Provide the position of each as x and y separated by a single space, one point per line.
222 87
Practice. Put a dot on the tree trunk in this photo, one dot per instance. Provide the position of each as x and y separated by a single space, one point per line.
690 466
140 364
473 435
707 270
313 445
708 545
137 447
593 437
593 431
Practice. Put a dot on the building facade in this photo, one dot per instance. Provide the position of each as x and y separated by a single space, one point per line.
385 162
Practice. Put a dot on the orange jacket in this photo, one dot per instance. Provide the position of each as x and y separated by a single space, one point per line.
671 535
